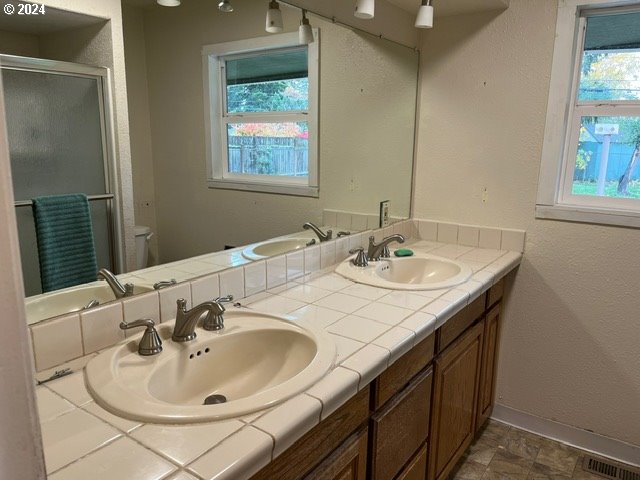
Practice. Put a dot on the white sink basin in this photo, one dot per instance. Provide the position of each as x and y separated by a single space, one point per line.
69 300
271 248
419 272
258 360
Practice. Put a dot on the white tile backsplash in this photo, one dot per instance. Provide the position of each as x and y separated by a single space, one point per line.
169 297
468 235
57 341
142 306
490 238
101 326
255 278
327 254
276 271
513 240
428 230
232 283
344 220
312 259
204 289
295 265
447 233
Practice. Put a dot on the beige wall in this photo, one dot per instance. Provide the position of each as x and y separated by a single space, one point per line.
14 43
21 453
365 94
140 124
569 347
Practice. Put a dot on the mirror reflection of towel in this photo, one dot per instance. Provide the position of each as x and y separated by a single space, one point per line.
66 250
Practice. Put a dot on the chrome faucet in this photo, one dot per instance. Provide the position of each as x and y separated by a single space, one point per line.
186 320
323 237
118 289
381 250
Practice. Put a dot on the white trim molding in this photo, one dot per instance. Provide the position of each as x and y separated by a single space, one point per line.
576 437
553 180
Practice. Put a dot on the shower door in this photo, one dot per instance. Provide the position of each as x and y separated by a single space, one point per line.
58 144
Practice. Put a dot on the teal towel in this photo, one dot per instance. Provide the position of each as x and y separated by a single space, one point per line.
66 250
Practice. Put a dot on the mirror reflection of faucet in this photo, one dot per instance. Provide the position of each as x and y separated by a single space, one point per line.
118 289
322 236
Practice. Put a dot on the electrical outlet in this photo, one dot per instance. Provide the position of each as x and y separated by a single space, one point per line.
384 213
485 195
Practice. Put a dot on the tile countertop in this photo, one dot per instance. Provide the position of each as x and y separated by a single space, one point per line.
372 328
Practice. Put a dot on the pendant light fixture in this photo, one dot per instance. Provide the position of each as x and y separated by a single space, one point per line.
274 18
225 6
365 9
305 33
169 3
425 15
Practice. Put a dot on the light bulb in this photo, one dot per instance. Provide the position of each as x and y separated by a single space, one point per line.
365 9
225 6
305 33
274 18
425 15
169 3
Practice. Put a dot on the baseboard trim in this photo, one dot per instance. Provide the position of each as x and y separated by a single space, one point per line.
576 437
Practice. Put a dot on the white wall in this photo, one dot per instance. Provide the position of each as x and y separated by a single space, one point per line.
570 343
366 94
21 453
140 124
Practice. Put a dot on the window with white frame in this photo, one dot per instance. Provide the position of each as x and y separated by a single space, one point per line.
261 106
591 158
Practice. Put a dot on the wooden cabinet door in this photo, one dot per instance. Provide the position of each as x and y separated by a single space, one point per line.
401 427
489 364
417 468
347 462
456 379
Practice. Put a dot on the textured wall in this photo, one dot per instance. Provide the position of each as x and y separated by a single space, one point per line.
569 347
14 43
374 76
140 124
20 440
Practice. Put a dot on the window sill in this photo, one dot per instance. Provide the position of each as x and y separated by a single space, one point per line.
598 216
296 190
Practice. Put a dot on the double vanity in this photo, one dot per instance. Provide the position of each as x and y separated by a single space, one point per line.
380 371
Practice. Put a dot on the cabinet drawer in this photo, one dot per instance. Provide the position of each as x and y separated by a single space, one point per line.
417 468
307 452
402 371
495 293
460 322
347 462
401 427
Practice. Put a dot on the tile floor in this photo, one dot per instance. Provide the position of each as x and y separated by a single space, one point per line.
504 452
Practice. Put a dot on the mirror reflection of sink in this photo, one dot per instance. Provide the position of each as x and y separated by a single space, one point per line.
419 272
70 300
258 360
271 248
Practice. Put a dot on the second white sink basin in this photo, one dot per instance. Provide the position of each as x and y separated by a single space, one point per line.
271 248
258 360
419 272
72 299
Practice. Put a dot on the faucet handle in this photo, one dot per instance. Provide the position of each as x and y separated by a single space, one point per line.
128 289
150 343
164 284
214 320
361 258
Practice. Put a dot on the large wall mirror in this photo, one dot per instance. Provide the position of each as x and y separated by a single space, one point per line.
367 101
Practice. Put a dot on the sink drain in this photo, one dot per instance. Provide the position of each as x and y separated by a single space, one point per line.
215 399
